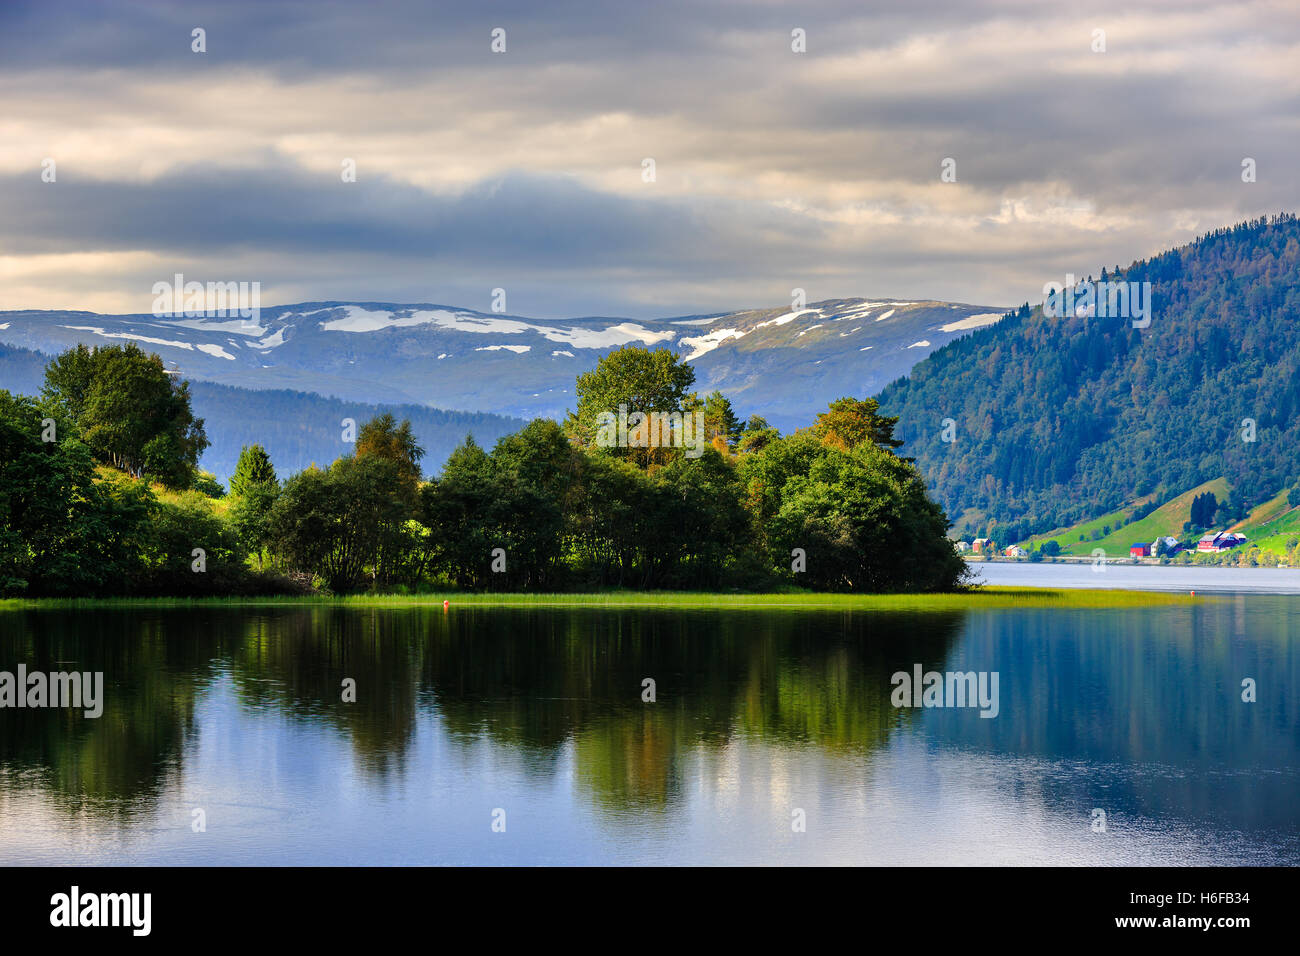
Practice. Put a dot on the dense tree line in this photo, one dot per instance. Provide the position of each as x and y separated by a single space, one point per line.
100 494
295 428
1061 419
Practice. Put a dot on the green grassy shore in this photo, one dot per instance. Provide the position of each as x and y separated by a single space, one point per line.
975 599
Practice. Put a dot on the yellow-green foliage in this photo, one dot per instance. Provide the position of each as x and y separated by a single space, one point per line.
975 599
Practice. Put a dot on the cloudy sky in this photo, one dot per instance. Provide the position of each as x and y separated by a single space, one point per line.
525 169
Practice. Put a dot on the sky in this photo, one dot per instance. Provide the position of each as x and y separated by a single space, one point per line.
126 156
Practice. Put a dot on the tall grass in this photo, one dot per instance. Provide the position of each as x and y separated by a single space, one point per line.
983 598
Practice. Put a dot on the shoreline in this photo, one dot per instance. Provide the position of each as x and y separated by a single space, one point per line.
1129 562
985 597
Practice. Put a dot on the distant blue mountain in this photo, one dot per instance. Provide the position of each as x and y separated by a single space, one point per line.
781 363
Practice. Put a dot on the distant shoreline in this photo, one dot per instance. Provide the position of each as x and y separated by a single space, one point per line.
1120 561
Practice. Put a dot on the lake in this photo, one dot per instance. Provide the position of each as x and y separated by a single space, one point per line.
772 737
1138 577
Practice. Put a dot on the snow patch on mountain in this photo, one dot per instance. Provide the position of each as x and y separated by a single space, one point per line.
216 351
131 336
708 321
972 322
358 319
788 317
702 344
237 326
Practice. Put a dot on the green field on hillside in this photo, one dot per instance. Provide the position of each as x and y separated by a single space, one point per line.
1273 510
1167 519
1271 526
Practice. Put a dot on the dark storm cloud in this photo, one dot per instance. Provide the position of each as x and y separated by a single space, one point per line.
775 169
512 222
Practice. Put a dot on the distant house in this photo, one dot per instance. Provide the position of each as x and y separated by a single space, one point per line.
1214 541
1139 550
1171 545
963 546
1015 551
983 546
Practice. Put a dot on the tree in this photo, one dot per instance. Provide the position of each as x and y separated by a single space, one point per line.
720 420
850 422
534 475
68 378
179 528
756 434
383 438
250 517
130 412
460 509
1203 509
613 517
343 523
62 532
253 468
634 379
860 516
1235 508
254 489
704 526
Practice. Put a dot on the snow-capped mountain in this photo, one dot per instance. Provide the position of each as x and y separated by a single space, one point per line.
783 364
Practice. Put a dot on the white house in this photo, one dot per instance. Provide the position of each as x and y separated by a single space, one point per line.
1170 544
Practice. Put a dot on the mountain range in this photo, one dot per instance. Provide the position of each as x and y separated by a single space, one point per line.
785 364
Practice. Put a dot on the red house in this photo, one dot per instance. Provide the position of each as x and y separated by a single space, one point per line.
1220 541
1139 551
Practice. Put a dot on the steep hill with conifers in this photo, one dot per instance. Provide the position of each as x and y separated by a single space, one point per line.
1059 420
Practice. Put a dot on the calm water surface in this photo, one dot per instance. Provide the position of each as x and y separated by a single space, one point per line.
1138 577
538 712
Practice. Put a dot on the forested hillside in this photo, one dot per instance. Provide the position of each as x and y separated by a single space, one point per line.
1055 420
